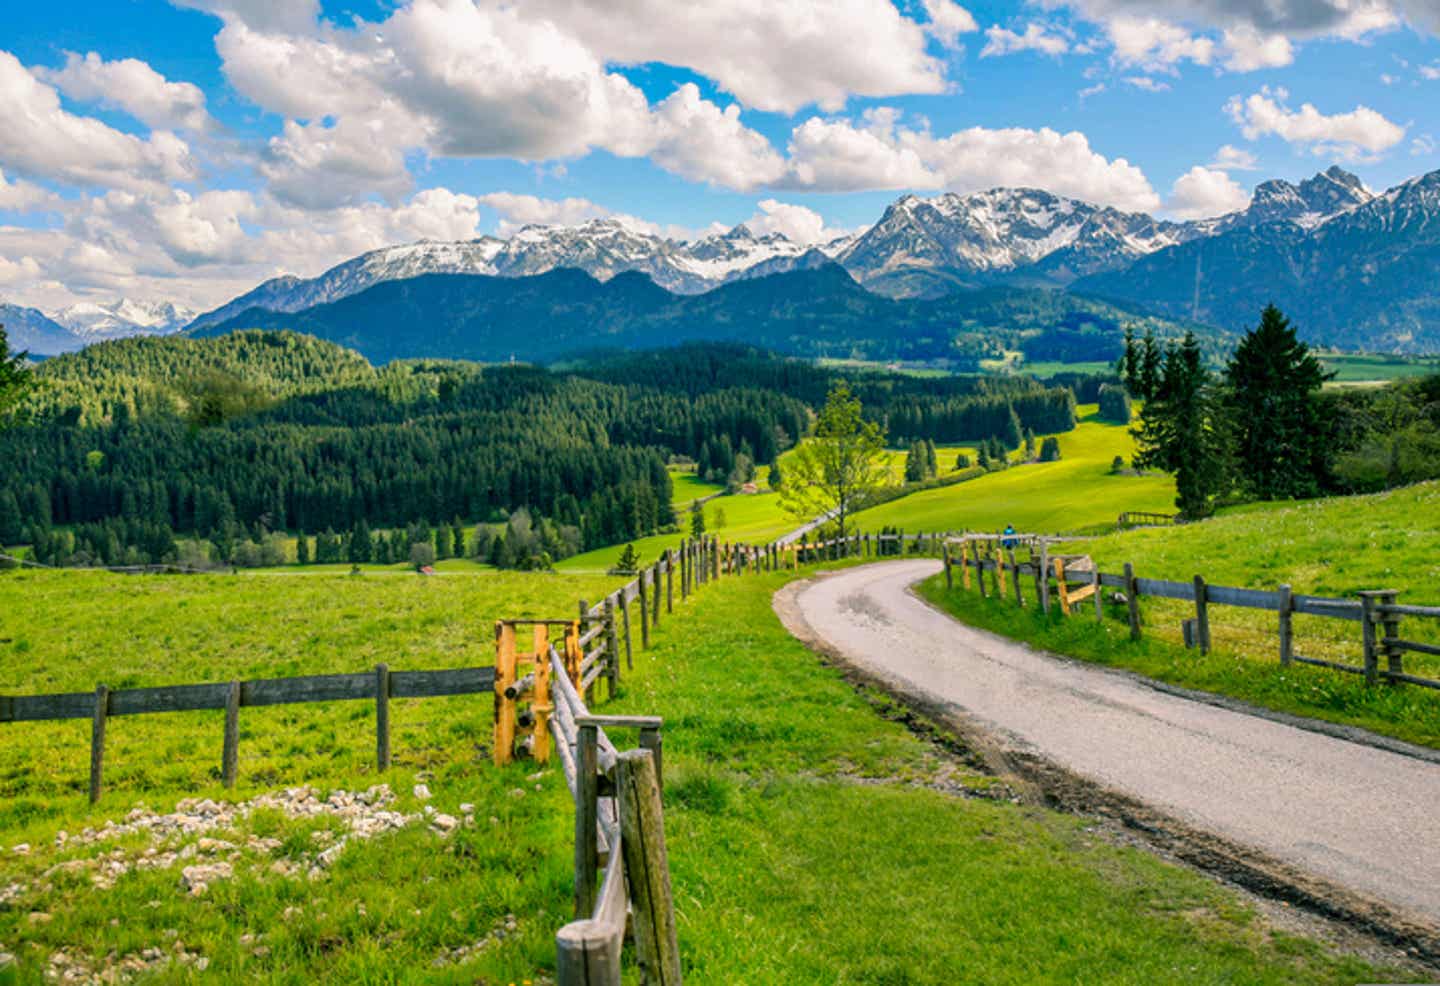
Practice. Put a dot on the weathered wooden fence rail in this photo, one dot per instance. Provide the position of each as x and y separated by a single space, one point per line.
379 686
1377 611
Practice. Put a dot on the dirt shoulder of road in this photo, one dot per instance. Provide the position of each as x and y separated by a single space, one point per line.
1288 897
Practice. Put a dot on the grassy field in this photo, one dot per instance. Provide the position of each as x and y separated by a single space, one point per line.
1077 493
1332 547
1359 368
812 838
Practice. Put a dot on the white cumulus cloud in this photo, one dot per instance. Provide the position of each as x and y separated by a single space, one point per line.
1359 132
1203 192
133 86
1003 41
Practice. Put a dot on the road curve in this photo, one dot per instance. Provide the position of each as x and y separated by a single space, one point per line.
1359 817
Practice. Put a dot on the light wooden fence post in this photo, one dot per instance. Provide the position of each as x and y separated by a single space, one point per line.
647 869
97 742
587 818
1132 601
230 750
644 600
382 717
1287 624
1202 614
1062 587
652 740
504 707
574 653
965 565
540 705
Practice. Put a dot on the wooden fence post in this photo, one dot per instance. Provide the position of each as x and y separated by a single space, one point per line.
625 619
647 869
574 653
1042 578
540 704
1132 601
587 818
949 576
1202 614
97 741
504 707
1287 622
669 583
382 717
644 600
1367 631
1391 624
655 588
651 739
1095 582
230 751
1015 576
612 647
998 572
965 564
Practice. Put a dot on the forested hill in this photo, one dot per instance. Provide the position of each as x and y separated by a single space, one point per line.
132 443
820 312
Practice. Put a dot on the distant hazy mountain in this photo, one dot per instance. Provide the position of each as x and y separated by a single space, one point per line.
31 330
93 322
1351 269
812 312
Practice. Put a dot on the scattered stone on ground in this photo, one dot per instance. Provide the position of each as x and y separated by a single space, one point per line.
503 929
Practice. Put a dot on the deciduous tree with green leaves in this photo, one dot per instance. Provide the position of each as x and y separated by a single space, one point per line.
839 466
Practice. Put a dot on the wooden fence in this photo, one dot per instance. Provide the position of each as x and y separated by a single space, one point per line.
1142 518
1070 579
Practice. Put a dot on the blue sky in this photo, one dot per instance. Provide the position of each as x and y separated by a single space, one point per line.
183 151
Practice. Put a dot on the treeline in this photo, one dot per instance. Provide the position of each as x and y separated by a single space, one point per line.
942 409
1265 429
410 444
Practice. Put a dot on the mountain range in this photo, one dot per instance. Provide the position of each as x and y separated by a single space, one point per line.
1351 267
78 325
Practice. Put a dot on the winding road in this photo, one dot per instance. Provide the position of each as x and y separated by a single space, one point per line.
1357 817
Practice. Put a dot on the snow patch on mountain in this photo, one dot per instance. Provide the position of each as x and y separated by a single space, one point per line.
93 322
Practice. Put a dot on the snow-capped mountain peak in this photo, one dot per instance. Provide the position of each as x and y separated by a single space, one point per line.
94 321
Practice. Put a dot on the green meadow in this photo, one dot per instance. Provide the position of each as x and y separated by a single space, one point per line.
814 838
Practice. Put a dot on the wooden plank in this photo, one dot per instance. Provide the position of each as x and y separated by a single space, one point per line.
1410 679
1223 595
99 713
647 869
1317 662
171 698
1340 609
428 684
621 722
382 717
1400 609
1112 581
230 748
35 708
1411 645
314 688
1165 589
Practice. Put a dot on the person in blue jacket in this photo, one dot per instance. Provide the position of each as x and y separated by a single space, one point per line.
1009 541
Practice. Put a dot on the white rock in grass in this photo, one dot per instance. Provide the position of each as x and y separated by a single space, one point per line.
444 824
6 960
422 792
23 849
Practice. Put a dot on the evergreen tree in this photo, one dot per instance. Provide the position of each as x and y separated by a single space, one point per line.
442 543
457 539
1274 389
1128 366
983 455
1149 373
962 461
1183 429
777 480
362 547
11 528
16 380
1029 445
932 462
302 550
629 562
1014 431
1050 449
697 520
915 463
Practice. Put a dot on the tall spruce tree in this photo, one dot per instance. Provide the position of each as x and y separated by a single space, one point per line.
1184 429
1274 385
16 380
1128 366
1149 372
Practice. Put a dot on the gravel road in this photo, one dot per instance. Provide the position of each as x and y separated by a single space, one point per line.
1362 818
